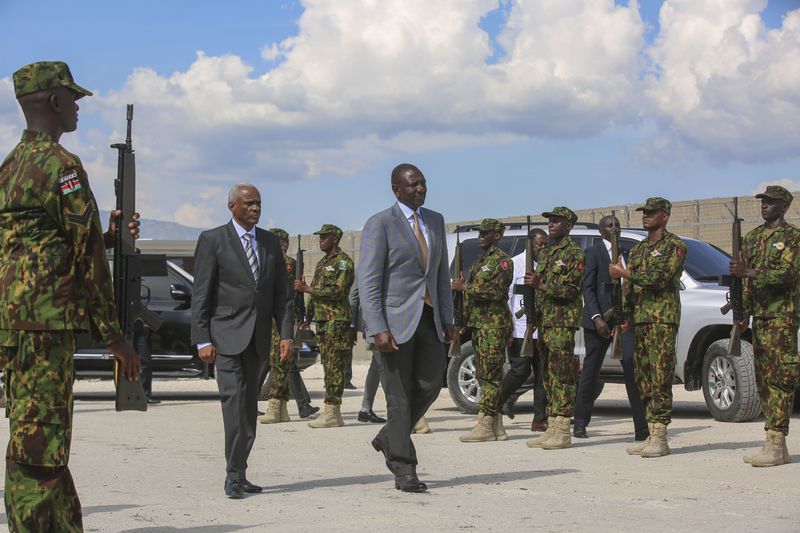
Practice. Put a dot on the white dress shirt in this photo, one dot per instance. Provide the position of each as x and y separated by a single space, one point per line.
515 300
409 214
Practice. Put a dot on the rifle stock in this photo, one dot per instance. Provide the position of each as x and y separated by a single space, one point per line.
528 301
458 303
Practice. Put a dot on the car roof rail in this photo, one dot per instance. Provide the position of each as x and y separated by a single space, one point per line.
523 225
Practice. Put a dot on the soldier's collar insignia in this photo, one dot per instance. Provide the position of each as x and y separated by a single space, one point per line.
655 253
778 245
69 184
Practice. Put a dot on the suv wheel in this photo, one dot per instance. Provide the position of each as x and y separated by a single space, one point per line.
462 383
729 383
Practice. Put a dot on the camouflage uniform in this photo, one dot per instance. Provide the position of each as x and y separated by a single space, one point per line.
279 384
487 313
653 307
771 299
54 280
330 307
560 310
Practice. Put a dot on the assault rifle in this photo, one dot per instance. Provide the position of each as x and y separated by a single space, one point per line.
615 313
458 302
735 287
129 267
528 300
299 298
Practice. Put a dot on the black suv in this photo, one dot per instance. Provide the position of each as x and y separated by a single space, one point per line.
174 355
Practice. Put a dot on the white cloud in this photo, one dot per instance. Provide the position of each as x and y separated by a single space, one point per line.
723 83
790 185
196 216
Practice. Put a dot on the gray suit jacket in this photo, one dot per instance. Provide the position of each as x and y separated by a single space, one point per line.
392 278
228 306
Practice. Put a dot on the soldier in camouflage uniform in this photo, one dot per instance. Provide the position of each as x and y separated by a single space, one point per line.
330 306
54 281
769 267
285 376
487 314
559 280
653 306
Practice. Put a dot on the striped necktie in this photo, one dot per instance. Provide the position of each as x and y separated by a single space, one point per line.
251 254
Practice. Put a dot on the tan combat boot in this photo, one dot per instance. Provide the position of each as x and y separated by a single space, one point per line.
637 447
482 432
327 419
284 411
499 430
551 428
774 452
421 427
749 457
273 415
560 438
339 418
658 446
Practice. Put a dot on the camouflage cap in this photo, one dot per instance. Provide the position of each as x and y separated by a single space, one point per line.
44 75
563 212
656 203
329 229
491 224
280 233
777 192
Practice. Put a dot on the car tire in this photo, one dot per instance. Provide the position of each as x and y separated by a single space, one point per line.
462 383
729 383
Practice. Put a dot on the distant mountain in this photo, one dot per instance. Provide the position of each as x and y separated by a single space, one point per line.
161 230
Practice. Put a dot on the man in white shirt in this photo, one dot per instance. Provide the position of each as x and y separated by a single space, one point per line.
521 367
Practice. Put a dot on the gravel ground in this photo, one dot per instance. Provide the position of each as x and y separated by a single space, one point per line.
163 471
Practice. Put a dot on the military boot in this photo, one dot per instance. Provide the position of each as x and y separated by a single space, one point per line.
421 426
551 428
774 452
327 419
284 411
273 415
499 430
637 447
339 418
482 432
560 438
749 457
658 446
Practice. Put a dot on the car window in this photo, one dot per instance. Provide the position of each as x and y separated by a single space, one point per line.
704 261
471 250
159 286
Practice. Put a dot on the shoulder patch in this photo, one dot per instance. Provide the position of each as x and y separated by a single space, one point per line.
504 264
580 266
289 268
679 251
69 183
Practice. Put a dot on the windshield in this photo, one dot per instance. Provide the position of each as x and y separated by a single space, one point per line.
705 262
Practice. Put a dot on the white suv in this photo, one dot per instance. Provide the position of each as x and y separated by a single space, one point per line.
728 383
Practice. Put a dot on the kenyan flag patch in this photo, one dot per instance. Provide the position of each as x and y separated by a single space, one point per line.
69 183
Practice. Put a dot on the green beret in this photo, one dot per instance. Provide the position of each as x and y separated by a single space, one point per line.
491 224
776 192
329 229
280 233
656 203
44 75
561 212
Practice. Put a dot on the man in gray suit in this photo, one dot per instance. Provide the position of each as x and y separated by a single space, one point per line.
404 290
239 287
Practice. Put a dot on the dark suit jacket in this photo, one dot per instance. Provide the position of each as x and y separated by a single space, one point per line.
228 306
596 299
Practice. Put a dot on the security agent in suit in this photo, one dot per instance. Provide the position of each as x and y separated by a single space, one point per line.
597 336
404 290
366 414
239 288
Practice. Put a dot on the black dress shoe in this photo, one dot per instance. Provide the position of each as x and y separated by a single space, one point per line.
152 401
233 489
409 483
370 416
579 432
508 407
249 487
308 410
349 386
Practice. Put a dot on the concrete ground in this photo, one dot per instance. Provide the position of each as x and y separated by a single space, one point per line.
163 471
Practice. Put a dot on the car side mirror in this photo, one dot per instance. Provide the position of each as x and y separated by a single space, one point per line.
179 292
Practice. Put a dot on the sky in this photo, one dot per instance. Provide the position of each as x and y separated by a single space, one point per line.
509 107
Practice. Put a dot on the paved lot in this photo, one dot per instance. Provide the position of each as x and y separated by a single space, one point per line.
163 471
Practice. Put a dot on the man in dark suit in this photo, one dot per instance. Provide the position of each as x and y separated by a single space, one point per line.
239 288
597 336
404 290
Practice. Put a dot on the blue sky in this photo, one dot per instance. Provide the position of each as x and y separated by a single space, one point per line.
508 107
